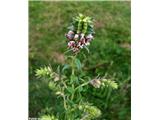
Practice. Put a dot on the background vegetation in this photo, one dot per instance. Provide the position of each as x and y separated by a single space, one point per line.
109 52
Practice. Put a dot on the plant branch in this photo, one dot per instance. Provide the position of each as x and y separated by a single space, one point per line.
96 66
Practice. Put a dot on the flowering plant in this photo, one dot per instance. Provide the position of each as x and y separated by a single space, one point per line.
69 83
80 32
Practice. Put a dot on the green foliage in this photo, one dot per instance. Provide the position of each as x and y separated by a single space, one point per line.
65 67
48 117
66 88
90 112
110 83
44 72
78 64
82 24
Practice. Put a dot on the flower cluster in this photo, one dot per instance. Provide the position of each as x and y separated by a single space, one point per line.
98 82
80 33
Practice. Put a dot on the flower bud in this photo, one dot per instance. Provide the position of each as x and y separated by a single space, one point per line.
82 36
89 37
70 35
96 83
70 32
76 36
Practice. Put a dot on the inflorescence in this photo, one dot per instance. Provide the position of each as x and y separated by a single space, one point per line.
80 33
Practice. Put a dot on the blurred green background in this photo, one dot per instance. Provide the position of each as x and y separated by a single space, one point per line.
110 51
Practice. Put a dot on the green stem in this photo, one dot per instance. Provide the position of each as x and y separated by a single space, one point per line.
73 64
84 84
64 102
108 96
73 73
72 96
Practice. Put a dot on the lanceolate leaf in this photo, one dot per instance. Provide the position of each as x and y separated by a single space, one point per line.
86 48
78 64
66 66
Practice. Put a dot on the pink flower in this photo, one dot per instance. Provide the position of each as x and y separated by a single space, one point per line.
78 41
70 35
71 44
82 36
89 37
